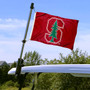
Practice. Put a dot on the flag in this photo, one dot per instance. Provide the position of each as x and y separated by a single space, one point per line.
54 30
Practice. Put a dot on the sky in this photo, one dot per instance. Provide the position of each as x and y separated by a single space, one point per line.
13 20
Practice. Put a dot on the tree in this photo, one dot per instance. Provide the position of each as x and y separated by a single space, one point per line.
4 73
44 62
32 58
54 32
44 81
54 61
67 81
76 57
14 65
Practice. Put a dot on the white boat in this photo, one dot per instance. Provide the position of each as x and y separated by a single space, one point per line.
78 70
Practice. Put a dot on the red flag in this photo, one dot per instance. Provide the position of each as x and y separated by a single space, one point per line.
54 30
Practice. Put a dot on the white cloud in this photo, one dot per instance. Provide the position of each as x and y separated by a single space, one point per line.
13 28
11 34
12 24
83 43
83 37
9 50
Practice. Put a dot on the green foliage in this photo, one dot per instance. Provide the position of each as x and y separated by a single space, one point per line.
4 73
13 65
76 57
60 81
67 81
44 82
28 79
13 88
32 58
44 62
55 61
50 81
16 84
9 83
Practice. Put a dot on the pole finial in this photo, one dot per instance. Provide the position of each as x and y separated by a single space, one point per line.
32 5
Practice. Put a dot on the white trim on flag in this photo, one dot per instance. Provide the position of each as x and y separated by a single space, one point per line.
33 25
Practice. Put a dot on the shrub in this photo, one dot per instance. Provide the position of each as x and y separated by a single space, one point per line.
16 84
9 83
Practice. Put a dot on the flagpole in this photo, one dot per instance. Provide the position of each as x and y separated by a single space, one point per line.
20 60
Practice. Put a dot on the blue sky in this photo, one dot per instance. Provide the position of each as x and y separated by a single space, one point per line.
13 19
